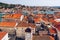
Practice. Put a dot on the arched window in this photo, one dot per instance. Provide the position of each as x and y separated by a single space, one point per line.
28 30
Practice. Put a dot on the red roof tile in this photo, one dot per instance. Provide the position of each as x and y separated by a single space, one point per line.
2 34
7 24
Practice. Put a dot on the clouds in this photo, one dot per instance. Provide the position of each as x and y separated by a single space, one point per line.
34 2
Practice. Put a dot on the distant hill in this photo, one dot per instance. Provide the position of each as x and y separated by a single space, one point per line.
56 7
7 5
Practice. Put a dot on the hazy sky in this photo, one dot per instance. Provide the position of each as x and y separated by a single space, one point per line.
34 2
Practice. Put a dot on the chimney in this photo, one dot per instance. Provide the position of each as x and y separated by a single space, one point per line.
21 18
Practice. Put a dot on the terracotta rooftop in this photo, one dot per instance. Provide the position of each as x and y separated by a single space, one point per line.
51 20
12 16
7 24
16 15
37 19
45 19
57 25
2 34
7 16
24 24
40 15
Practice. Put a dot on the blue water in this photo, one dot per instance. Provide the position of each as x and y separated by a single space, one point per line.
49 12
